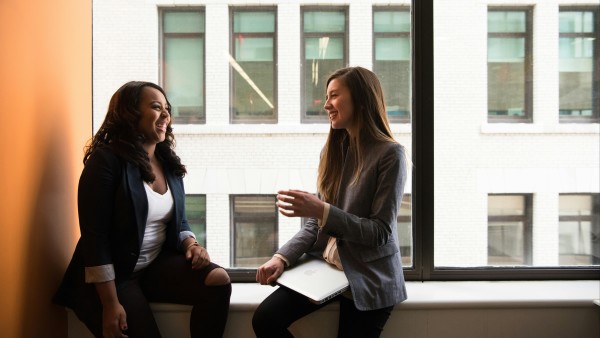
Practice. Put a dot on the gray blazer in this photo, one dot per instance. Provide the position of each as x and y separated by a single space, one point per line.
364 223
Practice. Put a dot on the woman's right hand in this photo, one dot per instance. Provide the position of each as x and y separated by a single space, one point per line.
270 271
114 321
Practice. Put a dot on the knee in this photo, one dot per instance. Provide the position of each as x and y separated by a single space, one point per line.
217 276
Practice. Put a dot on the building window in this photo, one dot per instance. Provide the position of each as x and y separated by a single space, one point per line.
509 230
324 46
578 65
195 210
253 65
579 229
255 229
182 68
509 65
405 230
391 59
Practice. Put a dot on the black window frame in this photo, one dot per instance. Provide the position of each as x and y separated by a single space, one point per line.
593 218
528 64
234 218
232 37
304 119
595 35
526 219
201 117
400 8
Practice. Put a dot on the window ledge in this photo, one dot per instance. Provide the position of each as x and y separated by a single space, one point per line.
449 295
530 128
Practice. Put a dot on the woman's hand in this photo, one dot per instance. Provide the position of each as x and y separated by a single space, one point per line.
114 321
270 271
297 203
197 255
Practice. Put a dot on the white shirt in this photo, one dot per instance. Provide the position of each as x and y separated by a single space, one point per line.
160 210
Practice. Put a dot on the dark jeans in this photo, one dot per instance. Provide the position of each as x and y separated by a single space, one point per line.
283 307
169 279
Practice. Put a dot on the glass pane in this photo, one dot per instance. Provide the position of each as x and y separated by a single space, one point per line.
504 22
324 48
253 68
255 230
391 21
184 78
499 187
392 49
576 22
183 22
253 22
253 49
195 209
576 65
324 22
405 230
579 229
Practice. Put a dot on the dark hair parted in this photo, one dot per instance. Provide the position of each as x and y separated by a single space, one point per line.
119 131
369 120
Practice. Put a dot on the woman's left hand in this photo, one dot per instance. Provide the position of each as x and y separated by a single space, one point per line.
198 256
298 203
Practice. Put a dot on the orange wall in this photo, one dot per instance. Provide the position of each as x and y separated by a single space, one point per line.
46 118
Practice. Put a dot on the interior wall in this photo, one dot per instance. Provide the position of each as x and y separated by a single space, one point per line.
46 110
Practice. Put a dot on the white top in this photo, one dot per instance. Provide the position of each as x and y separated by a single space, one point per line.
160 210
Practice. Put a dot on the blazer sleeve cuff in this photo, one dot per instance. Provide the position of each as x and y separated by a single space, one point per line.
323 219
282 257
100 273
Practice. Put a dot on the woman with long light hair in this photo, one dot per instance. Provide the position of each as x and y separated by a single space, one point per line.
352 220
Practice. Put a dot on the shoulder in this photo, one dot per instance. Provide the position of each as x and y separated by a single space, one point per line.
103 157
387 149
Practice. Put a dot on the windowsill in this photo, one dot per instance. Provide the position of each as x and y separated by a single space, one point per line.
309 128
532 128
451 295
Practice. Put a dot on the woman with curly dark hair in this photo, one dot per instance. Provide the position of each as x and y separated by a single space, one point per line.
136 246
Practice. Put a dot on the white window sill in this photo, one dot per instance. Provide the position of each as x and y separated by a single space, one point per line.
449 295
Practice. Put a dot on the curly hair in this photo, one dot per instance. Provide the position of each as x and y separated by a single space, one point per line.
119 131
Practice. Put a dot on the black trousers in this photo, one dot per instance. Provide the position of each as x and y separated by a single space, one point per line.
283 307
169 279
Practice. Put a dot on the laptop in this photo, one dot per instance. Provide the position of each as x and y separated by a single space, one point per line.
315 279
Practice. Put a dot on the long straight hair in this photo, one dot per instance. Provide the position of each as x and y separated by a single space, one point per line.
369 120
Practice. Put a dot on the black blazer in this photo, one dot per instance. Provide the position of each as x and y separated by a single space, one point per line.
113 208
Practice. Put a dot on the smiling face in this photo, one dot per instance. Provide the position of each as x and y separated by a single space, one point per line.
339 105
155 115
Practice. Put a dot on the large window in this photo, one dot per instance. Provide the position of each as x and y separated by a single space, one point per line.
253 65
578 65
324 49
483 198
579 229
509 230
255 229
391 59
509 65
195 208
183 64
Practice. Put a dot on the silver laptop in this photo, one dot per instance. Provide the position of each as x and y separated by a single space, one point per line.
315 279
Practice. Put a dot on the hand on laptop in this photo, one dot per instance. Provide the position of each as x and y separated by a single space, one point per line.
270 271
